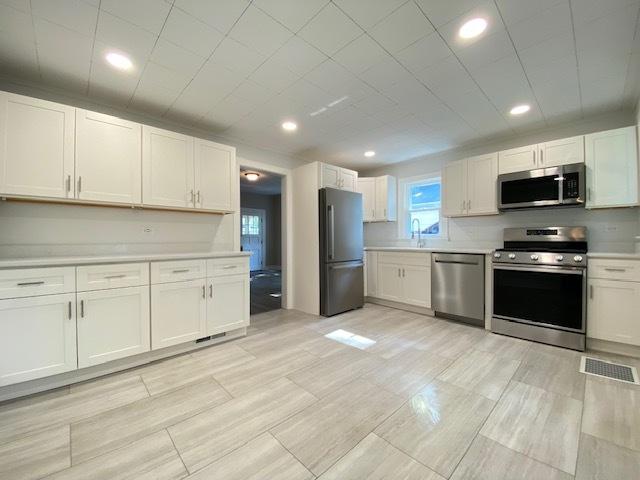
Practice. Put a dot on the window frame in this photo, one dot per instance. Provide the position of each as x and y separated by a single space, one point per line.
405 185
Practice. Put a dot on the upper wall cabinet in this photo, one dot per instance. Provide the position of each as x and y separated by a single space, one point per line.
612 168
108 158
167 168
549 154
36 147
379 198
469 186
367 188
215 174
337 177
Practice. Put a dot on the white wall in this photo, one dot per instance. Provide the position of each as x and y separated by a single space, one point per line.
609 230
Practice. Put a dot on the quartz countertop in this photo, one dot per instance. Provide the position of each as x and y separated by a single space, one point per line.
89 260
477 251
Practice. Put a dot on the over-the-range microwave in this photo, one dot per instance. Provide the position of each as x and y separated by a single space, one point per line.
545 187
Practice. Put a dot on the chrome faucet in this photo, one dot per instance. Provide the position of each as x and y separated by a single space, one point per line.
413 232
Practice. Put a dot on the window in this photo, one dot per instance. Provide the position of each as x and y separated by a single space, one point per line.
421 204
250 225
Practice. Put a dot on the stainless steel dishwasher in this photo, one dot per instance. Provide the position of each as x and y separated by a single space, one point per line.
457 286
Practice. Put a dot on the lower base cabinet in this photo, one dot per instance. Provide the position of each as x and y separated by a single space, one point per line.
404 278
178 313
228 305
38 337
112 324
613 311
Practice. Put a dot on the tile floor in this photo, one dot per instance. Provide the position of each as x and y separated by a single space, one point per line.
430 399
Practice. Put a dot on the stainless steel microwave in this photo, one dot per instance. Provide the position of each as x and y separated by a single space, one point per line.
545 187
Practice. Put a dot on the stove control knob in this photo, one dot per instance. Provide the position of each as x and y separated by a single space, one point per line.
577 258
497 255
559 258
512 256
534 257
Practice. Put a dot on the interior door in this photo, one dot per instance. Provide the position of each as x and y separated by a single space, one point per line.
454 188
108 158
482 176
215 172
252 236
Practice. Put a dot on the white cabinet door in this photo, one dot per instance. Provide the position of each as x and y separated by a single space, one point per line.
482 177
613 311
228 304
367 187
112 324
390 282
215 174
167 168
329 176
37 337
454 189
416 281
36 147
517 159
108 158
386 198
348 180
178 313
612 168
561 152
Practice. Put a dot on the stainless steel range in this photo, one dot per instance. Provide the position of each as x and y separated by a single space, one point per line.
539 285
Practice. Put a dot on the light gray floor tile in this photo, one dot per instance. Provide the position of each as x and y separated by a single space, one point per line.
335 370
323 432
150 458
537 423
602 460
504 347
115 428
261 459
449 339
488 460
612 412
481 372
216 432
437 425
79 404
36 456
34 399
375 459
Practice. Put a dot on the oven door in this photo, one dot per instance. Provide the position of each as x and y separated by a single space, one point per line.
550 296
535 188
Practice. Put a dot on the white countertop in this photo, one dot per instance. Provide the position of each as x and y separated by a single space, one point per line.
620 256
88 260
477 251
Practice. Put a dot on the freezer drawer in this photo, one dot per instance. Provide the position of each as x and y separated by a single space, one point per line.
342 287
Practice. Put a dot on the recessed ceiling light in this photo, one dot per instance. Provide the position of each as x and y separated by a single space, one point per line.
473 28
121 62
520 109
252 176
290 126
369 153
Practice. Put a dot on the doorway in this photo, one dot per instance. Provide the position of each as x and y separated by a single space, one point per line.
260 234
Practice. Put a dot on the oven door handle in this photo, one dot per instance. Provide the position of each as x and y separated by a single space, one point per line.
542 268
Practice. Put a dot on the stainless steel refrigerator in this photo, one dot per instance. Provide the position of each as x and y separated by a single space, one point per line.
341 251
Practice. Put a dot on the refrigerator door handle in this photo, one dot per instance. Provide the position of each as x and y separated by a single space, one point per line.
330 232
344 267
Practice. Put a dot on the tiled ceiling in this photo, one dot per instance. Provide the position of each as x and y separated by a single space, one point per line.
388 75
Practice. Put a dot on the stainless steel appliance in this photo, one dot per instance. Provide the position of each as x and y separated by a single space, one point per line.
457 286
544 187
341 250
539 285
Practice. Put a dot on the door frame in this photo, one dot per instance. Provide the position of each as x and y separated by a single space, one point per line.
286 206
262 213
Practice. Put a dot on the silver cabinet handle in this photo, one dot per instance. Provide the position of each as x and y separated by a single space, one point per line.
591 292
198 197
211 290
193 197
398 273
69 310
79 184
229 267
534 157
463 204
541 157
109 277
611 269
468 205
184 270
68 183
81 308
403 273
204 292
30 284
385 213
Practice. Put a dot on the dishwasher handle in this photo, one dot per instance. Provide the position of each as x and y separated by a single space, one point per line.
457 262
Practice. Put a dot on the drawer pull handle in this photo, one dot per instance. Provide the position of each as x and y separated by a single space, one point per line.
185 270
211 291
69 310
81 308
30 284
229 267
204 292
609 269
108 277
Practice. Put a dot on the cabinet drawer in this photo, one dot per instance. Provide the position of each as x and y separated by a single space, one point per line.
217 267
408 258
30 282
176 271
613 269
102 277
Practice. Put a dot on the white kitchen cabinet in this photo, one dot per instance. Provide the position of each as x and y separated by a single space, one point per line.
367 188
112 324
178 312
469 186
348 180
337 177
612 310
37 337
416 284
379 198
108 158
228 304
404 278
215 175
518 159
611 158
167 168
561 152
36 147
390 281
